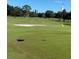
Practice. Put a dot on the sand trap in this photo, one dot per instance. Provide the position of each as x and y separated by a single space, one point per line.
28 25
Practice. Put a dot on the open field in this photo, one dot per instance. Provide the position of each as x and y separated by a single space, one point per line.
40 42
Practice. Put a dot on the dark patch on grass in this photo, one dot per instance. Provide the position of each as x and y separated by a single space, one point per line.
44 40
68 24
20 40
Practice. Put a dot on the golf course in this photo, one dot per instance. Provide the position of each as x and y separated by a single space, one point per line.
51 41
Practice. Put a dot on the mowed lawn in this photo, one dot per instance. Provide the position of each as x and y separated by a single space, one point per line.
40 42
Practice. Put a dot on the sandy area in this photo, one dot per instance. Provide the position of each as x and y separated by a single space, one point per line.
28 25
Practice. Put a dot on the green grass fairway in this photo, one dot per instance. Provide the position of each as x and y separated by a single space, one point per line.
40 42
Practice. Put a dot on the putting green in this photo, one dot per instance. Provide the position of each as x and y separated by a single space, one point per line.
40 42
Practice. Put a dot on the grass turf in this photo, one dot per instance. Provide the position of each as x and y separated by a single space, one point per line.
48 42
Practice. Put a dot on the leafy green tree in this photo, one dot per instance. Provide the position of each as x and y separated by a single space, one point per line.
17 11
68 16
26 9
10 9
41 14
49 14
58 14
64 13
33 14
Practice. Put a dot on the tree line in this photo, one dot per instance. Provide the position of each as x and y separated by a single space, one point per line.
26 11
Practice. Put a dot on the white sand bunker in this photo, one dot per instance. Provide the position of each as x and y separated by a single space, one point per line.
28 25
